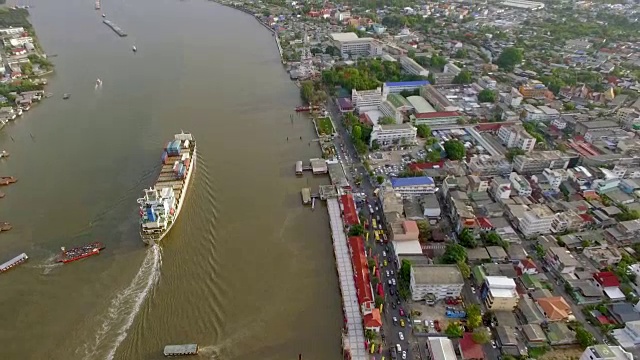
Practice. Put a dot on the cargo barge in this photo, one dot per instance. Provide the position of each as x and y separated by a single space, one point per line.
115 28
162 203
80 252
13 262
179 350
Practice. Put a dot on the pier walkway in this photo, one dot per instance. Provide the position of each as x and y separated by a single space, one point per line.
354 339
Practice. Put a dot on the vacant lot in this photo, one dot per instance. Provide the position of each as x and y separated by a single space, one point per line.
572 353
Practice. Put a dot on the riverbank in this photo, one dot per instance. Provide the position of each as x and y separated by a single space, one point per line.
253 14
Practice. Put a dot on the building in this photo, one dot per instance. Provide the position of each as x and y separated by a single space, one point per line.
487 83
430 206
605 352
520 185
540 113
499 293
584 127
629 336
469 349
451 68
533 90
624 233
555 177
410 66
420 105
555 308
349 212
350 44
406 230
536 220
435 282
437 99
608 136
524 4
536 162
603 255
366 100
561 260
436 118
389 109
412 186
516 137
608 282
398 87
361 275
390 135
441 348
513 98
489 165
21 41
500 188
373 320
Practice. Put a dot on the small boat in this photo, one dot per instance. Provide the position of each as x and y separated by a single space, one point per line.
4 154
6 180
180 350
134 48
98 82
5 226
66 96
80 252
104 15
13 262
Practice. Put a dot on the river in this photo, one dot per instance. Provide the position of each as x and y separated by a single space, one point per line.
247 272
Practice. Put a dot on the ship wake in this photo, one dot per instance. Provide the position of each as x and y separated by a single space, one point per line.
124 307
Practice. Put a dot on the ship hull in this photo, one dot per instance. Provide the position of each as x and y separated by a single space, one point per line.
156 238
66 261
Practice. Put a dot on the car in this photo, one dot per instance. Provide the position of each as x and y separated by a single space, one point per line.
398 347
380 226
393 305
391 292
393 282
388 273
431 323
493 344
395 320
401 335
401 310
393 353
391 272
404 355
473 290
401 322
384 253
389 282
384 263
377 208
378 217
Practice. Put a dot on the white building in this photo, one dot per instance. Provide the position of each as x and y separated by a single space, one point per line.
540 113
487 83
441 348
21 41
451 68
629 336
366 100
398 87
536 220
412 67
516 137
350 44
559 123
412 186
343 15
389 110
555 177
520 184
513 98
500 188
12 31
435 282
605 352
389 135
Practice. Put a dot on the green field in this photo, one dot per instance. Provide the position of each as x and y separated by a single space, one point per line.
325 127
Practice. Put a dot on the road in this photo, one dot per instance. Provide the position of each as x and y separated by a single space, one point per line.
353 166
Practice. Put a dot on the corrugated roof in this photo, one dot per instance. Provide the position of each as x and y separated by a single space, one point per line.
412 181
437 114
360 269
349 213
406 83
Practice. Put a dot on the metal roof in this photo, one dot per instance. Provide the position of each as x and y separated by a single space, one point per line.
411 181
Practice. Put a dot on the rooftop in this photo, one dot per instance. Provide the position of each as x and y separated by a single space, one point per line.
350 36
437 274
441 348
555 308
406 83
411 181
500 282
421 105
398 100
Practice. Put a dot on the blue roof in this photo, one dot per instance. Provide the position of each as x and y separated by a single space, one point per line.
411 181
407 83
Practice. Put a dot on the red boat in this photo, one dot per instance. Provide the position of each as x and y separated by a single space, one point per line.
80 252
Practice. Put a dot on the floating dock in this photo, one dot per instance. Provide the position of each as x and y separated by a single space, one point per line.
13 262
306 196
115 28
317 166
179 350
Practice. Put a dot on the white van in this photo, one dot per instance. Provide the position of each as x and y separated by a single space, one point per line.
398 348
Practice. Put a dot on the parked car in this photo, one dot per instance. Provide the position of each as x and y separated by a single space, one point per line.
404 355
392 292
401 335
493 344
388 273
393 305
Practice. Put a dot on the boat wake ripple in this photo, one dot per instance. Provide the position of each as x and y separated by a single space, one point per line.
124 307
48 265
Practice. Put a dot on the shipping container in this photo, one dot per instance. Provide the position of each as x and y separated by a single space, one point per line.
180 167
186 143
177 145
168 145
176 166
187 163
164 156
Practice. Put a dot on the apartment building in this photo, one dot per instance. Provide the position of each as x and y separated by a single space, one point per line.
536 220
561 260
536 162
512 98
603 255
605 352
410 66
520 185
451 68
436 118
500 188
533 90
437 99
555 177
624 233
350 44
388 109
366 100
389 135
540 113
484 165
499 293
516 137
413 186
398 87
435 282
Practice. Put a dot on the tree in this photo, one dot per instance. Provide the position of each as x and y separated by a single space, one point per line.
584 337
332 50
454 330
370 335
465 270
387 120
379 301
356 132
438 61
492 238
411 53
513 152
431 78
509 58
380 179
464 77
453 254
561 147
306 90
467 239
423 228
487 95
434 156
404 280
356 230
455 149
424 131
474 316
481 336
461 54
569 106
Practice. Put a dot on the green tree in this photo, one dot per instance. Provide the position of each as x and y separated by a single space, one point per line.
584 337
423 228
387 120
438 61
465 270
356 132
509 58
433 156
461 54
454 330
481 336
464 77
412 54
431 78
370 335
424 131
492 238
380 179
379 301
356 230
474 316
455 149
561 147
404 280
513 152
486 96
454 253
569 106
467 239
306 90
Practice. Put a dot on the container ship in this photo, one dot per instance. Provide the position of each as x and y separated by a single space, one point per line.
13 262
161 204
80 252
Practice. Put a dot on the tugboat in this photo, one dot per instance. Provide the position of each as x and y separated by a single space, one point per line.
104 15
80 252
66 96
98 82
134 48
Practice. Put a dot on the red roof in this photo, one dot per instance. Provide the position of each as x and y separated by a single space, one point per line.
360 269
606 279
349 213
427 165
373 320
437 114
528 264
485 223
470 350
